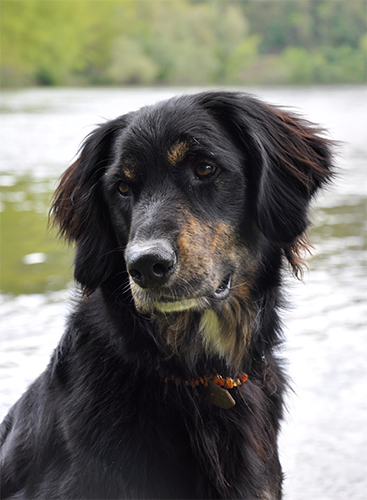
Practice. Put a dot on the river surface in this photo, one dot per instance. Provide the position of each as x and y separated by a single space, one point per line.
324 439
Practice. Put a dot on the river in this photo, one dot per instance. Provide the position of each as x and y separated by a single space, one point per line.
324 437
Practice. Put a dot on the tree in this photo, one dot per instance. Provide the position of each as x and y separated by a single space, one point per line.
39 41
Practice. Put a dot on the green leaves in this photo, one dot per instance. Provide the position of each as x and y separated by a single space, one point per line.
181 42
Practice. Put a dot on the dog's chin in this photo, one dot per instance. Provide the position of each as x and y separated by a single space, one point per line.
150 303
184 304
165 306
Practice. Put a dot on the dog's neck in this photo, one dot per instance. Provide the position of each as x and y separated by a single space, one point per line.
217 388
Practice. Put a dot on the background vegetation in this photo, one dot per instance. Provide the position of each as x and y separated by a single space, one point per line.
179 42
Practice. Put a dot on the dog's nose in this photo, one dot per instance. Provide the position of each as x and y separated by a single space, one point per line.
150 264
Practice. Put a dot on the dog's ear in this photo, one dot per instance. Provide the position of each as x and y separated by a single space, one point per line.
287 160
295 162
80 209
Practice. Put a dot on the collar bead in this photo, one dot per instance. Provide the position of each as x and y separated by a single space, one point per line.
218 380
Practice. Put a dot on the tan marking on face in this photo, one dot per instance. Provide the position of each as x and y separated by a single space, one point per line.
130 171
177 152
206 253
222 243
209 251
210 241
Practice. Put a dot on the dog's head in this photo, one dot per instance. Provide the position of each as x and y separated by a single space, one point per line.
193 200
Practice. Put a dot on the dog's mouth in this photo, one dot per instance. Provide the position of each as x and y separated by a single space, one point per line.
167 305
224 288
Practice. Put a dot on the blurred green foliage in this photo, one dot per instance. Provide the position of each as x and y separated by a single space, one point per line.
197 42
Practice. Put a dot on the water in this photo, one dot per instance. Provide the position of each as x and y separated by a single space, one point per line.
324 437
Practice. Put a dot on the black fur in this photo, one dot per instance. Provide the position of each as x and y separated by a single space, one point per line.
202 199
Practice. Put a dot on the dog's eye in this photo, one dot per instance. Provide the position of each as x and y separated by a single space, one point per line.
204 171
124 189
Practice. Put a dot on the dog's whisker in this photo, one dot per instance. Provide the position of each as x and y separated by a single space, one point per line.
238 286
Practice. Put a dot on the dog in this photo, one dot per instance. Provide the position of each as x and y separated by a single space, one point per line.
167 382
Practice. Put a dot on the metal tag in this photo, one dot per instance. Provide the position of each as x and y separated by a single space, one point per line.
219 396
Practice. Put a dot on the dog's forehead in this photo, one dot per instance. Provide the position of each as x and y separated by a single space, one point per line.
166 134
157 154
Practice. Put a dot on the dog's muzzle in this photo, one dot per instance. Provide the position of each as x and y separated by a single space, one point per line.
151 265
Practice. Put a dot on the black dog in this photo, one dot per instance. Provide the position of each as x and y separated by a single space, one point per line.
165 384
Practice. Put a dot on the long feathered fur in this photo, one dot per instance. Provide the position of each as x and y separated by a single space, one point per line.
112 416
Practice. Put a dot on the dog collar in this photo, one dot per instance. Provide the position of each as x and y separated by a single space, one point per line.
217 387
